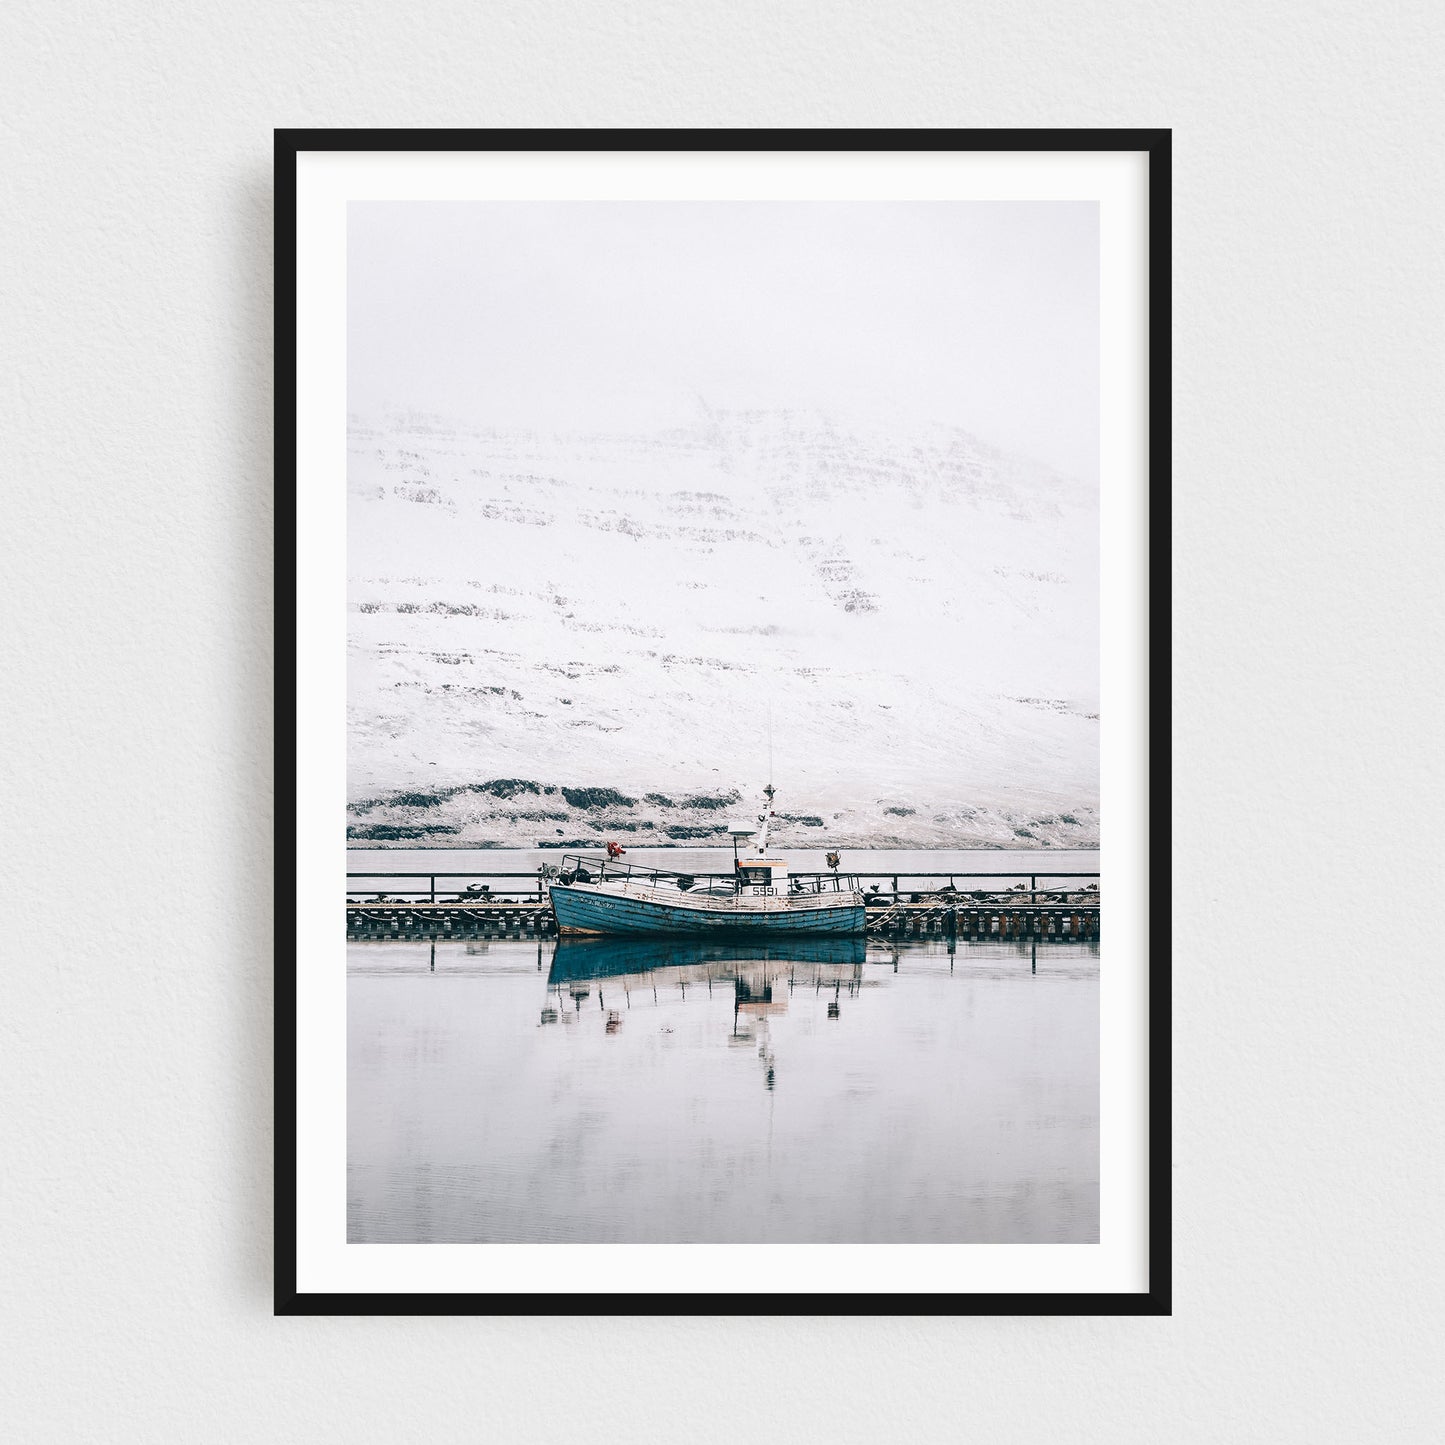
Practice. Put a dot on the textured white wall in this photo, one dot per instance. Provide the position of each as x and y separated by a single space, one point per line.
135 298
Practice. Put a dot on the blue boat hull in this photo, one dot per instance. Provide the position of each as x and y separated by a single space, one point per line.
586 912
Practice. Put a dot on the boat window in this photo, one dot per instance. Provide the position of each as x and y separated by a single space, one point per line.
750 876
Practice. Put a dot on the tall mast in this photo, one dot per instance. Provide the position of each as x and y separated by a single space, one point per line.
761 841
770 747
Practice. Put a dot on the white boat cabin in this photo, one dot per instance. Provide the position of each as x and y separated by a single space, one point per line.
762 877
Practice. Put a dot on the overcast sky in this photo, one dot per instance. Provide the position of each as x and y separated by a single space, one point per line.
580 316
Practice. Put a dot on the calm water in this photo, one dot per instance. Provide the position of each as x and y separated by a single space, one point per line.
628 1091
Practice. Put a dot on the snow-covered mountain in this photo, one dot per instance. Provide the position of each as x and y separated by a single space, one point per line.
562 638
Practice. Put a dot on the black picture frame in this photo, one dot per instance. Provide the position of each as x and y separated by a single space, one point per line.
1157 1298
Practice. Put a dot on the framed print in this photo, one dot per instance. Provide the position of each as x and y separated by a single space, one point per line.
722 726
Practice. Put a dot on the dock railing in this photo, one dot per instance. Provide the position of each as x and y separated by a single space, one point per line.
446 886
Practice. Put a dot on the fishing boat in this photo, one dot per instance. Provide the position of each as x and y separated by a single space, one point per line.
609 896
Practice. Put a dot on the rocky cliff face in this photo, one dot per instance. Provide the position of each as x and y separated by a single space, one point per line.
560 638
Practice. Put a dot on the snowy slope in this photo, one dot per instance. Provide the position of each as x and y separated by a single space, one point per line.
533 617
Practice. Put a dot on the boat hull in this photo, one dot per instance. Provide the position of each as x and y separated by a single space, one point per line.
584 910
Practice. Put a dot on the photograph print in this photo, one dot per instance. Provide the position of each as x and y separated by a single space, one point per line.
722 749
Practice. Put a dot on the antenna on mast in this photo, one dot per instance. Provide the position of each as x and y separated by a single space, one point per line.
770 742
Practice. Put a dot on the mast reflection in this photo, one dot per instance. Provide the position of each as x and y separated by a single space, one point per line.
763 978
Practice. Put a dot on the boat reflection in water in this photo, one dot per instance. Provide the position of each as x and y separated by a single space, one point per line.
763 976
595 958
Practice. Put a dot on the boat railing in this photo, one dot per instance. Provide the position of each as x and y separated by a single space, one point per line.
584 868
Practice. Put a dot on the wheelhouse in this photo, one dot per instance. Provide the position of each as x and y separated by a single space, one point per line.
762 877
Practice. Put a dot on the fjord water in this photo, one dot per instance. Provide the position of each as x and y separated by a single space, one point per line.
623 1091
1016 864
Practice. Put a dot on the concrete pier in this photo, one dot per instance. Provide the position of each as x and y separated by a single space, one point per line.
1059 923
